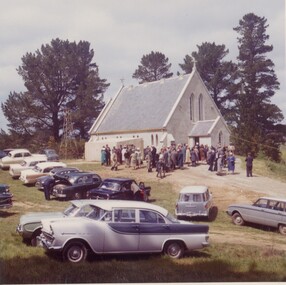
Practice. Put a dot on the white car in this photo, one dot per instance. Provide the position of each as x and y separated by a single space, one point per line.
16 156
117 226
27 163
30 176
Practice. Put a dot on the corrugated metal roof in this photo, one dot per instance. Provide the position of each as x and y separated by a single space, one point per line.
143 107
202 128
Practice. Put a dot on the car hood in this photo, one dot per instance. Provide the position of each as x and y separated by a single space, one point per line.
102 192
38 216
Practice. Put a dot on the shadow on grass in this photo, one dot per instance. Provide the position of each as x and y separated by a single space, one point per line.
4 214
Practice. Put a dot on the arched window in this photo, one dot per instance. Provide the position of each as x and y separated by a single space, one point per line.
220 137
201 108
152 140
156 140
192 107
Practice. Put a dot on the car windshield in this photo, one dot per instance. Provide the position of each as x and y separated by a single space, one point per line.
110 185
71 210
97 213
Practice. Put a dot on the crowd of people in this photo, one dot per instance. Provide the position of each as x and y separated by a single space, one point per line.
173 157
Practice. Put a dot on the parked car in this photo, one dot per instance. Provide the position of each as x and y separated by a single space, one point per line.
5 197
115 226
265 211
30 176
2 153
75 185
27 163
194 201
17 156
55 172
51 154
120 189
30 225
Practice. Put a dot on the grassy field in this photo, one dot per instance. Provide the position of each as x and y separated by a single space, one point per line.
221 262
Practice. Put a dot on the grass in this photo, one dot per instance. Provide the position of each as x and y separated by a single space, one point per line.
228 262
269 168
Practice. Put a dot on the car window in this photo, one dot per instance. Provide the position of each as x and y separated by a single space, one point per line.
197 197
280 206
124 215
18 155
26 154
262 203
151 217
96 213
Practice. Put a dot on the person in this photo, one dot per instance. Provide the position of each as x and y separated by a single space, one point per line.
149 160
231 163
249 165
48 186
114 160
103 156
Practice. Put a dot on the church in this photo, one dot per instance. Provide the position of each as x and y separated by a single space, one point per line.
177 110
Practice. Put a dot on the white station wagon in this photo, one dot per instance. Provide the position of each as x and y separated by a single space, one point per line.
265 211
117 226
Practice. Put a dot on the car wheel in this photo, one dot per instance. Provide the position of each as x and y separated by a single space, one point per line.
75 252
174 249
34 240
77 196
237 219
282 229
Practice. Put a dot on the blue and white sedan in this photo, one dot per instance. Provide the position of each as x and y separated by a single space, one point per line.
116 226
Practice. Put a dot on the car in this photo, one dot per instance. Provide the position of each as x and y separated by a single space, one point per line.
30 225
2 153
5 197
75 185
27 163
30 176
54 173
266 211
194 201
120 227
120 189
51 154
16 156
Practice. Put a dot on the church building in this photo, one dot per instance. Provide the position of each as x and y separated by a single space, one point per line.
177 110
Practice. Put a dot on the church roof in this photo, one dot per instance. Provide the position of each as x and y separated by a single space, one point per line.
157 98
202 128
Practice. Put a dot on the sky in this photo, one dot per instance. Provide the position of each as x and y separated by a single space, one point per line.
121 31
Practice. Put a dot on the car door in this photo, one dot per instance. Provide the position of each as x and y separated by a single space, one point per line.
122 234
153 231
125 192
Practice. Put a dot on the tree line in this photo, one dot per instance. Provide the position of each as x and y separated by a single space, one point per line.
62 76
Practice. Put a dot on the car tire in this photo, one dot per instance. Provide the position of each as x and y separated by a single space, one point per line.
174 249
34 240
237 219
75 252
282 229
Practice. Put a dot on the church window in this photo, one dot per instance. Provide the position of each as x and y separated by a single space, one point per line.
220 135
157 140
152 140
192 107
201 108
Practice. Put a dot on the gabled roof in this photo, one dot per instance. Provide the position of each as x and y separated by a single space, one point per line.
156 98
203 128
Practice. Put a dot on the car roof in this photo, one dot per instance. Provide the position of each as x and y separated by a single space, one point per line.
196 189
19 150
118 179
81 173
51 164
108 205
273 199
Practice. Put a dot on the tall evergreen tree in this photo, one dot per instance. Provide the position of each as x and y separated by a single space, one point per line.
256 115
154 66
59 76
217 73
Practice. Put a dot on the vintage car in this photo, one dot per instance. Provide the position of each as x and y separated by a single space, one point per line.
75 185
51 154
30 224
265 211
30 176
120 189
55 172
17 156
5 197
27 163
115 226
194 201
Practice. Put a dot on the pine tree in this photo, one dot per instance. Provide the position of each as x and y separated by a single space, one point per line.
256 116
